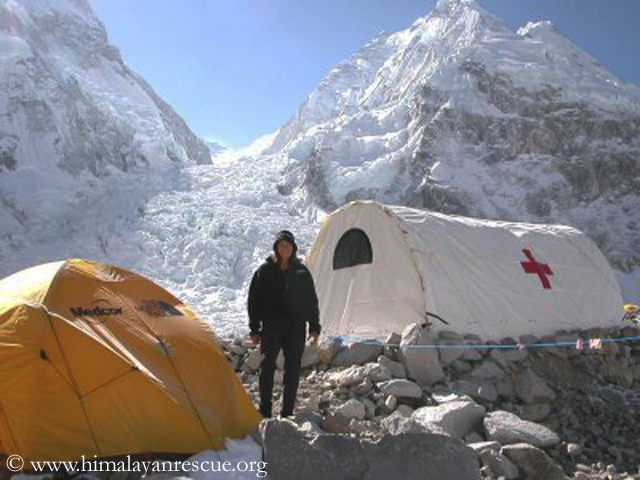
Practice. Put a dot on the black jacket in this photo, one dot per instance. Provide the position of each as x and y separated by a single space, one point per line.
283 300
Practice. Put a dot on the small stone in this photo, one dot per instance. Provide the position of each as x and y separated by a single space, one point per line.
574 450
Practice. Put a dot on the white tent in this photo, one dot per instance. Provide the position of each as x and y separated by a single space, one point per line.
379 268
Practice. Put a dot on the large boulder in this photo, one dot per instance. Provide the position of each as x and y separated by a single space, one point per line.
290 456
456 418
422 364
507 428
416 456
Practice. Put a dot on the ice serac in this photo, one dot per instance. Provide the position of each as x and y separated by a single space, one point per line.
68 99
460 114
74 118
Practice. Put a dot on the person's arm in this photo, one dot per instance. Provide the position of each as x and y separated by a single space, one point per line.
254 304
314 311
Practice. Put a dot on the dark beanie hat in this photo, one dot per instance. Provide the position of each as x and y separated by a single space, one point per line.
288 236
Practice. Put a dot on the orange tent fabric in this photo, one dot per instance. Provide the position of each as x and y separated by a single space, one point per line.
97 360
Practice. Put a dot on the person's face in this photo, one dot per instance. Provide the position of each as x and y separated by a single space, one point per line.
285 250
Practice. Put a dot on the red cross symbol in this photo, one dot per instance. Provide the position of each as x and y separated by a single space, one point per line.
540 269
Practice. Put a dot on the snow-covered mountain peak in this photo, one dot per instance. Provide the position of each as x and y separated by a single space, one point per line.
457 113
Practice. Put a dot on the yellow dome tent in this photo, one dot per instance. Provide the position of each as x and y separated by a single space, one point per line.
96 360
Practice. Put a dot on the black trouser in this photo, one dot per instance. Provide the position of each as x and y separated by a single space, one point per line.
291 341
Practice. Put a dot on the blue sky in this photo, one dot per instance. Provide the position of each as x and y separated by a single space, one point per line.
238 69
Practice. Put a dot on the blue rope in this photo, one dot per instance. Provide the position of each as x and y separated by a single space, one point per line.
523 346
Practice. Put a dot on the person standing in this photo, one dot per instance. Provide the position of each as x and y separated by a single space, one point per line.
282 300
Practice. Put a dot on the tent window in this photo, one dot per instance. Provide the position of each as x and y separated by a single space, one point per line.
354 248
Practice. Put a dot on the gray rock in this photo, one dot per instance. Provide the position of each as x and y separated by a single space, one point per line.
346 453
393 339
536 412
369 407
311 356
505 388
396 424
351 409
449 354
420 457
472 355
410 456
533 462
506 357
499 464
613 397
422 364
363 388
480 390
395 368
335 424
488 370
507 428
574 450
532 389
357 353
457 418
289 456
350 376
473 437
461 366
378 372
252 362
400 388
405 410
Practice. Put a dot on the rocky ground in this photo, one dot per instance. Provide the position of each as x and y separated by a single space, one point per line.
522 410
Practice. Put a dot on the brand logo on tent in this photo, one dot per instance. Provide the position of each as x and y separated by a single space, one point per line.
158 308
540 269
98 311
